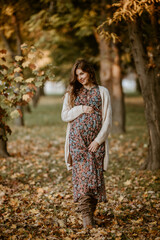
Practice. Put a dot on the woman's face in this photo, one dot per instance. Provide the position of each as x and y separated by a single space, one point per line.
82 77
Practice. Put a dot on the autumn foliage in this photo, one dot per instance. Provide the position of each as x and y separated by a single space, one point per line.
16 88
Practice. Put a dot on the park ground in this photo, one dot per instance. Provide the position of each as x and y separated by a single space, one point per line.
36 189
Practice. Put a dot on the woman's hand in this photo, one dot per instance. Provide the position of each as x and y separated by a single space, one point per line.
93 147
87 109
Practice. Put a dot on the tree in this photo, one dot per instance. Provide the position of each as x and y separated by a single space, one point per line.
110 69
143 21
13 15
13 95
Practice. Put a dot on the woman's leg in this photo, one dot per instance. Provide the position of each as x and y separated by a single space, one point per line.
86 211
87 206
93 204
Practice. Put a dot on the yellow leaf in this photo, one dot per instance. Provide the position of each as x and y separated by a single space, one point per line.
34 211
18 69
14 202
25 64
26 97
68 196
110 21
61 223
120 198
8 10
62 230
24 45
92 13
73 219
127 183
14 237
29 80
40 190
18 79
153 223
2 55
13 226
4 72
18 58
21 230
31 55
14 114
137 221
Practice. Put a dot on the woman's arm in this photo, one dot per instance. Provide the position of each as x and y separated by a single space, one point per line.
69 114
107 120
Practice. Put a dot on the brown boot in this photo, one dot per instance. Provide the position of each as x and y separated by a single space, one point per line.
88 221
86 211
93 205
93 208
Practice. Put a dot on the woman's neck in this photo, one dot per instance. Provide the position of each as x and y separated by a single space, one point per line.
89 86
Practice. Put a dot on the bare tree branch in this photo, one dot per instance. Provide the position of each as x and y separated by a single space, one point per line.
17 32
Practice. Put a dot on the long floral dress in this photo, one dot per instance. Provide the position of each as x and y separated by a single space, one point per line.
87 167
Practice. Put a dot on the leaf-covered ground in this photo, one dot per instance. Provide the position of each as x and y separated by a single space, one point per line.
36 189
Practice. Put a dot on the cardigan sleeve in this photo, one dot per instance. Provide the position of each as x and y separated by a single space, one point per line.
107 119
68 114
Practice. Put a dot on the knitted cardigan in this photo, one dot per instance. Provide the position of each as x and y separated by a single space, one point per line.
68 114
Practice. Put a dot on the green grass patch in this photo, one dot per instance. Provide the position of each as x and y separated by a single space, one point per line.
47 113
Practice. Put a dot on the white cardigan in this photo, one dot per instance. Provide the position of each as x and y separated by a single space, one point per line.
69 114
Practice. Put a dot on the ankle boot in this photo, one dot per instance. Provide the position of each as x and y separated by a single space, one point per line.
88 221
93 208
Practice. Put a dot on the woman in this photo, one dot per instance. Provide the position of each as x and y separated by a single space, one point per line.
87 109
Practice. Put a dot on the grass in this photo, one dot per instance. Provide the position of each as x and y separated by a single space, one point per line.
47 113
135 118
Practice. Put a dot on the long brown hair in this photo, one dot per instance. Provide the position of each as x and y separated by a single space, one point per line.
74 85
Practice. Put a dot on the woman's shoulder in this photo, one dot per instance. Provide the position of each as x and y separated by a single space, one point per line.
103 89
66 97
67 93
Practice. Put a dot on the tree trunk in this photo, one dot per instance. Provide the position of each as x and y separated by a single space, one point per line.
105 64
149 82
6 43
3 145
117 94
27 108
138 87
20 120
37 95
110 77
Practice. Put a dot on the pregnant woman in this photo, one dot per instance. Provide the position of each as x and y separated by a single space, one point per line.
87 109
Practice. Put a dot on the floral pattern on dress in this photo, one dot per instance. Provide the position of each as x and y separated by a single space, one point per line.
87 167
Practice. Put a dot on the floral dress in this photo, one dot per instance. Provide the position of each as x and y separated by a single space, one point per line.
87 167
